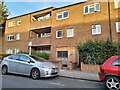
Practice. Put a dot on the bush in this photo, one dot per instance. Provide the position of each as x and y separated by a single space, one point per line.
39 54
96 52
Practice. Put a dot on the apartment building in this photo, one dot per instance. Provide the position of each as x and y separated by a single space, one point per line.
59 30
20 31
80 22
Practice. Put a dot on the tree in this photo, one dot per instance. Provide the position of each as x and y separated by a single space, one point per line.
4 13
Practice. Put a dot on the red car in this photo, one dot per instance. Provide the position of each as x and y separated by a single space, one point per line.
110 73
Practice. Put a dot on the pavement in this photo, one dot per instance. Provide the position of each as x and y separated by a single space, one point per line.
77 74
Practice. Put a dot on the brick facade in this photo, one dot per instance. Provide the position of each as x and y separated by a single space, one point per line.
82 24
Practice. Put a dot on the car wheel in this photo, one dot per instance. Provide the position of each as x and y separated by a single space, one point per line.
112 83
4 70
35 74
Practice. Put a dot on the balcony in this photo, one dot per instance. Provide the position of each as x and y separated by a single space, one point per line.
41 41
41 20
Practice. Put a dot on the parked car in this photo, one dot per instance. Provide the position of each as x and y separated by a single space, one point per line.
110 73
28 65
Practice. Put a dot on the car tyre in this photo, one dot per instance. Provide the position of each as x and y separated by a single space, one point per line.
35 74
112 83
4 70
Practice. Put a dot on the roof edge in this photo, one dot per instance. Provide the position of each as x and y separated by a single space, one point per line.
31 13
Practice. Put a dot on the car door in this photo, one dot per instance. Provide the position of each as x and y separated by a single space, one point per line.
13 63
24 66
116 67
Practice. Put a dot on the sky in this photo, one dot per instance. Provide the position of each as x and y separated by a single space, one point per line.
18 7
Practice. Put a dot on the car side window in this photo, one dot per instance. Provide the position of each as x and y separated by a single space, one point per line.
116 62
14 57
24 58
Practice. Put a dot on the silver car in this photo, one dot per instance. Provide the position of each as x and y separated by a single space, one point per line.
28 65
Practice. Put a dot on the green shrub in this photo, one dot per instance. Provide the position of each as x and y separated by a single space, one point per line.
96 52
21 52
39 54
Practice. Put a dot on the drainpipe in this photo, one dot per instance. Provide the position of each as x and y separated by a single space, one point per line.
110 29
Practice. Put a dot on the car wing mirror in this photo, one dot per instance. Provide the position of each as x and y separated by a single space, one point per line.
30 61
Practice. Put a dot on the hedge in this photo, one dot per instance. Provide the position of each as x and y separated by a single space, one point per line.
39 54
96 52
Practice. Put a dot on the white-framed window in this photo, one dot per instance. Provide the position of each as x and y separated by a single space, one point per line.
17 50
19 22
62 15
59 34
17 36
117 3
70 32
92 8
117 26
96 29
10 37
11 24
97 7
86 10
9 51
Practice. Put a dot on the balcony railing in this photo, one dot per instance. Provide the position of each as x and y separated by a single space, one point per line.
42 23
41 41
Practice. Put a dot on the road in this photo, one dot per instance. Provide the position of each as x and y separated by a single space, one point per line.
15 81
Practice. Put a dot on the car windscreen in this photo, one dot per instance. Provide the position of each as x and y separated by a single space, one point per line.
38 58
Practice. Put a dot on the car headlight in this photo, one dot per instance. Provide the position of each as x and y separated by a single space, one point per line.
45 67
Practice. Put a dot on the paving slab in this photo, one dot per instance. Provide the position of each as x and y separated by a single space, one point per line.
79 75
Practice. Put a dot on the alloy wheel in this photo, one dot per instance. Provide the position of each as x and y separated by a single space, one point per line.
112 83
35 74
4 70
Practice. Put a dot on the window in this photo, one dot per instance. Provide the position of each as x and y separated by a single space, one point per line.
70 32
17 36
62 54
19 22
10 38
11 24
24 58
9 51
96 29
117 3
92 8
116 62
97 7
15 57
65 14
59 34
117 26
62 15
86 10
